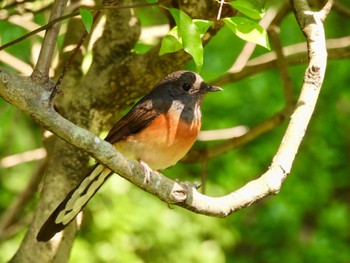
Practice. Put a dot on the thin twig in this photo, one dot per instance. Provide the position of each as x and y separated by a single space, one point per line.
42 67
71 58
10 216
222 134
295 54
326 9
249 47
12 89
16 63
204 171
341 9
51 23
76 13
220 9
284 10
25 21
209 152
19 158
16 11
282 66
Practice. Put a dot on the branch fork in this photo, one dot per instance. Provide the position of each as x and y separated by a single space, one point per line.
33 98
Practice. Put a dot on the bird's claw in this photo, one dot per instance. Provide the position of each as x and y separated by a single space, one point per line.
147 172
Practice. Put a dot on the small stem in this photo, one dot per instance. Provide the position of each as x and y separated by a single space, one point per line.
220 9
73 14
71 58
204 172
41 71
282 65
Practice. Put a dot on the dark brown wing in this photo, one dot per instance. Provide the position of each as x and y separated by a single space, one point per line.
138 118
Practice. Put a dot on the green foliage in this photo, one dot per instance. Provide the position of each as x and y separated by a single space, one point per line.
172 42
308 221
187 35
249 8
248 30
87 18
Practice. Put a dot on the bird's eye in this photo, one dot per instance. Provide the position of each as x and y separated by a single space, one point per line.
186 86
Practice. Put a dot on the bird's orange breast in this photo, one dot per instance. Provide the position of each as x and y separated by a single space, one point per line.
164 142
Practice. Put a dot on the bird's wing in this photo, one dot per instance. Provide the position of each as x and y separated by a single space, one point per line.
138 118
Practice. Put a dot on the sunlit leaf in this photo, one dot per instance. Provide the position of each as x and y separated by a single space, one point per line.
87 61
191 39
248 30
202 25
172 42
248 8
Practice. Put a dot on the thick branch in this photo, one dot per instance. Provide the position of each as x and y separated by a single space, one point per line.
36 104
164 188
11 89
311 24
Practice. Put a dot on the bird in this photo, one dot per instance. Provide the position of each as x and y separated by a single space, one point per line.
157 132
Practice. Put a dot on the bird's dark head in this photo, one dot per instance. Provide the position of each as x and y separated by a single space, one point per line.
183 92
187 82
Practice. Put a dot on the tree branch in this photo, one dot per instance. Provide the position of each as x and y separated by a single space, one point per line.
34 99
9 217
162 187
341 9
282 65
295 54
311 24
41 71
206 153
73 14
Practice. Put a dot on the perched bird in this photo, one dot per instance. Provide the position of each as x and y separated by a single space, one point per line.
158 131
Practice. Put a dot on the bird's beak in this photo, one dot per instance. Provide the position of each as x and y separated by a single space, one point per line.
214 88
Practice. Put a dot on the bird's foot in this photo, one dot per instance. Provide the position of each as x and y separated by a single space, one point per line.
147 171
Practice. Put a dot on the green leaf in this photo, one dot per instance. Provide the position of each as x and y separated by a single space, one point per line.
202 25
170 44
248 8
191 39
173 42
248 30
87 19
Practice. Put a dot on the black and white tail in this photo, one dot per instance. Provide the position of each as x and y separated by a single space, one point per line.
73 203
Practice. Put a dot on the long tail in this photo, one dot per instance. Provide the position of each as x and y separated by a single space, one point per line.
73 203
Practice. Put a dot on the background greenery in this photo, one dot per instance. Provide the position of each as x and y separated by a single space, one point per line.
308 221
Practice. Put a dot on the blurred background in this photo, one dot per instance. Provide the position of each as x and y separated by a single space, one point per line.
308 221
